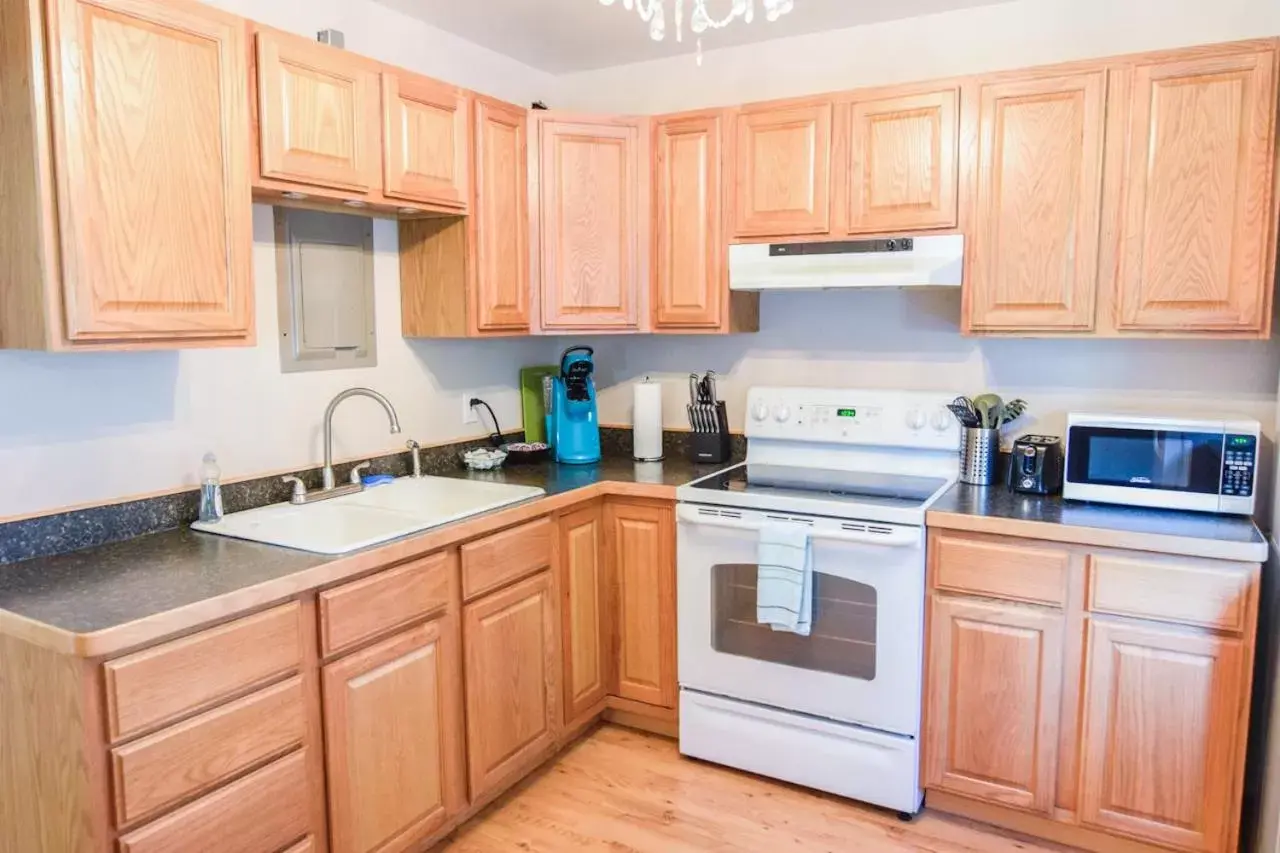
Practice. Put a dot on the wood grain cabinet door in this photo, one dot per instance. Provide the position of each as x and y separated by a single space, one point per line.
903 169
151 132
585 599
393 720
318 114
1036 228
641 550
782 170
511 638
992 706
590 224
1197 221
426 141
690 283
1164 717
501 217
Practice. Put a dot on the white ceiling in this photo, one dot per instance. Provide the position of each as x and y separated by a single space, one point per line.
563 36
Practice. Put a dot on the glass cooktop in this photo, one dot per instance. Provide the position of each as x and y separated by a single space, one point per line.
863 487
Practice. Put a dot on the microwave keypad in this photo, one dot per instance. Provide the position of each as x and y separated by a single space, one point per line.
1238 465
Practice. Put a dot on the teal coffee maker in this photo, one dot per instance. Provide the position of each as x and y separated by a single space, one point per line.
575 429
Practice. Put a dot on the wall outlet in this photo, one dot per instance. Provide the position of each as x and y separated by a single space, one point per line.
470 414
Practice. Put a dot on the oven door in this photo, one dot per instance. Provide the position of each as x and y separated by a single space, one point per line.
862 662
1175 466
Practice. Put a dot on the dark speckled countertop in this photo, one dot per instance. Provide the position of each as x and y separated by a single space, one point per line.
996 509
109 586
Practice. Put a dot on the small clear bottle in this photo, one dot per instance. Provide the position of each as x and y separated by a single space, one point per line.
210 490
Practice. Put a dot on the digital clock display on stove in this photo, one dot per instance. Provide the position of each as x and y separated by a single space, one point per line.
846 413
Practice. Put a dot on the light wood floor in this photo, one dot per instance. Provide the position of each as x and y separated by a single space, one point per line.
627 792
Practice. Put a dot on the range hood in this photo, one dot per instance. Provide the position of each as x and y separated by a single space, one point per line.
882 262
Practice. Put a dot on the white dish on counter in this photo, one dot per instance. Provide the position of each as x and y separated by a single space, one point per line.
372 517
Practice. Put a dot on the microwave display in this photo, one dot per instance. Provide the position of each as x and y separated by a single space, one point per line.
1146 459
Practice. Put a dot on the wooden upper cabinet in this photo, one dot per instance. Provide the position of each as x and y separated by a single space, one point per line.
319 115
585 612
690 275
1165 716
992 699
151 134
782 170
1036 228
1197 222
393 717
592 224
903 165
426 141
500 218
640 538
511 638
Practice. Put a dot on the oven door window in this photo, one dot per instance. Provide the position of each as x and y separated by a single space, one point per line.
843 636
1146 459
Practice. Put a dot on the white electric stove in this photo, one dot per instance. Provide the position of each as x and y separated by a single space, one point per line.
838 710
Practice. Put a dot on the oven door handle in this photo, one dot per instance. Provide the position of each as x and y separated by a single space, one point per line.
898 538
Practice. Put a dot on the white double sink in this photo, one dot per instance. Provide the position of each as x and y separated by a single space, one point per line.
376 515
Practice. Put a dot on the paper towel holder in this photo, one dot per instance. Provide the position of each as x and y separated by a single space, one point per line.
654 442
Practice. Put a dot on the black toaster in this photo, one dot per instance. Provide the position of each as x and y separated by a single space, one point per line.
1035 467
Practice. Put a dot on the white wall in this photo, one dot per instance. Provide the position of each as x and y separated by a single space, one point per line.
90 428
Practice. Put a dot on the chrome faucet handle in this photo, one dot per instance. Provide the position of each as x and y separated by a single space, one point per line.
299 490
414 447
354 477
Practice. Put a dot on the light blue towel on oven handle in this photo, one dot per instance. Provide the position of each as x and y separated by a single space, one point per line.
784 578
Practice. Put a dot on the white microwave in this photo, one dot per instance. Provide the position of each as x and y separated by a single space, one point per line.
1167 463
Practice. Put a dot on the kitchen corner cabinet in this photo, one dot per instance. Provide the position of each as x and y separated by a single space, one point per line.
640 542
127 204
782 169
586 599
1083 694
591 222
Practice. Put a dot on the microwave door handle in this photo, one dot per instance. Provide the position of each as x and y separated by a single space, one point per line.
898 538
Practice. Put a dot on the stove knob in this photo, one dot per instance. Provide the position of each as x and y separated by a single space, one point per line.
942 420
760 411
781 414
917 419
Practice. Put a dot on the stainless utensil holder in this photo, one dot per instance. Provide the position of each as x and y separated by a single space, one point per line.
979 456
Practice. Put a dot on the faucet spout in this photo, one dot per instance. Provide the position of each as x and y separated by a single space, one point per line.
329 480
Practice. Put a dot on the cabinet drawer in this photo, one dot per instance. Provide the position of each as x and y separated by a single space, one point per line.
265 812
505 557
384 602
160 684
1174 589
199 753
1000 569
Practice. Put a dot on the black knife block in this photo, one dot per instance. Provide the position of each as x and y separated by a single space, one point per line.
712 448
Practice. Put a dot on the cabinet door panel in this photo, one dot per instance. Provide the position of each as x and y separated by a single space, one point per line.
318 114
585 597
501 218
1036 227
1197 219
641 540
903 167
1164 713
995 676
426 141
690 278
151 135
512 669
392 722
782 171
590 225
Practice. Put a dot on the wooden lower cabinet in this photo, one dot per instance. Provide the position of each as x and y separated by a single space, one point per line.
393 720
585 595
512 651
995 674
1163 723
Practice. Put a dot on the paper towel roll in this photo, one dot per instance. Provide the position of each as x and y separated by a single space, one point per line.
646 420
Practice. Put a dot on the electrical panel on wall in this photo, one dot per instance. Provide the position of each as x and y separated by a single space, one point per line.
325 284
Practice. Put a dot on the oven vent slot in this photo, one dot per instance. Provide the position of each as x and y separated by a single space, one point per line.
790 518
860 527
719 513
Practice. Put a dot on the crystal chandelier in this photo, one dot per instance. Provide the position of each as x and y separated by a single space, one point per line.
654 13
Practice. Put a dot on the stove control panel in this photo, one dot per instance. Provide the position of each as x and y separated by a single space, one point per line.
862 417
